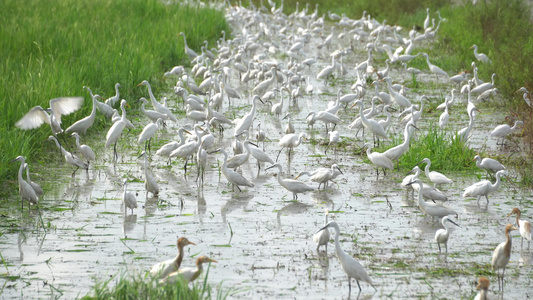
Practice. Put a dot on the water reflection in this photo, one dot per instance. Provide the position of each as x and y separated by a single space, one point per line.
291 209
237 201
128 224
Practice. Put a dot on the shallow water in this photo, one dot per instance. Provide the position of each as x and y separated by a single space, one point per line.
261 238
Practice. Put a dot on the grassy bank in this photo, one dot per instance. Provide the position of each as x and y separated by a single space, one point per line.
53 48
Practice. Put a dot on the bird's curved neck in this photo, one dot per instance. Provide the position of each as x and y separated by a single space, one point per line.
508 243
21 169
179 258
517 217
426 170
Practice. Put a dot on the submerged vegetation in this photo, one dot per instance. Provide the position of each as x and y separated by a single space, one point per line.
87 43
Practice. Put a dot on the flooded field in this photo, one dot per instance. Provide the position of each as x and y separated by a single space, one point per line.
261 238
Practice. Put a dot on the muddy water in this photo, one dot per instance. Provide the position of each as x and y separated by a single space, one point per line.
261 238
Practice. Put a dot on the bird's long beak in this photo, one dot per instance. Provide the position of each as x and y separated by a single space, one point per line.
13 160
190 243
297 176
321 229
211 260
509 214
215 151
270 167
340 170
454 223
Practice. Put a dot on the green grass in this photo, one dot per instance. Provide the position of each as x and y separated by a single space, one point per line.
145 287
53 48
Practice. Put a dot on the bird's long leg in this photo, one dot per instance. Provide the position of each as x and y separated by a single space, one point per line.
349 286
438 244
185 167
358 285
487 196
115 155
278 154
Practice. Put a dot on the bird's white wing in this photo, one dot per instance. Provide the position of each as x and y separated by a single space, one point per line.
33 119
64 106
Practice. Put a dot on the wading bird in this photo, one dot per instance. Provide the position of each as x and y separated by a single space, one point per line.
148 133
82 125
236 179
502 254
501 131
351 267
150 184
484 187
128 198
379 159
69 157
290 141
37 188
322 175
187 274
442 235
114 133
434 176
483 287
158 106
85 150
488 164
523 225
431 209
162 269
321 238
294 186
26 191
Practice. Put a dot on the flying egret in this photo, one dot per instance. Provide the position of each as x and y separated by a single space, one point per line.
128 198
51 116
321 238
112 100
480 56
162 269
484 187
82 125
434 176
187 274
523 225
26 191
351 267
483 287
85 150
502 254
431 209
290 141
150 184
294 186
158 106
69 157
247 119
488 164
148 133
501 131
236 179
379 159
36 187
114 133
441 236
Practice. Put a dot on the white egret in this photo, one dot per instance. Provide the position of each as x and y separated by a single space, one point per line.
501 131
323 116
327 71
239 159
236 179
36 187
488 164
278 107
480 56
177 70
379 159
201 161
435 69
26 191
247 120
114 133
484 187
148 133
426 21
525 95
162 269
294 186
502 254
371 124
187 274
464 133
260 156
485 86
150 184
69 157
431 209
395 96
444 117
321 238
260 89
428 192
82 125
290 141
260 135
334 138
167 148
289 128
192 55
51 116
189 148
483 287
434 176
158 106
460 78
442 235
523 226
112 100
151 114
396 152
85 150
128 198
322 175
351 267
